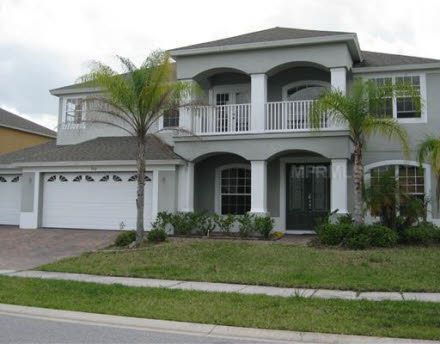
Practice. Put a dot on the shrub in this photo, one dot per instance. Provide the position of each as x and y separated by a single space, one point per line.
381 236
206 224
224 222
356 237
125 238
245 225
157 234
364 236
423 234
263 225
333 233
183 223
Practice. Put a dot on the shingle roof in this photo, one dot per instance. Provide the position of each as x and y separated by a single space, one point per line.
376 59
8 119
268 35
99 149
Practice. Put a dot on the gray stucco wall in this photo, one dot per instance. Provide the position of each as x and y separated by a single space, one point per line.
27 191
380 148
167 191
263 61
263 147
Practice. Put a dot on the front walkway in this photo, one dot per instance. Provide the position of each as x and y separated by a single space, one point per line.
230 288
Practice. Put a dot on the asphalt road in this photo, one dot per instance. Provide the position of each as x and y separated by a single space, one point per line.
23 329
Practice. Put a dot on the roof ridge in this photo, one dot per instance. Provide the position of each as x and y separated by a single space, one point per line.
403 55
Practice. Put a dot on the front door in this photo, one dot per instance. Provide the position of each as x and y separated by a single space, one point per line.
308 195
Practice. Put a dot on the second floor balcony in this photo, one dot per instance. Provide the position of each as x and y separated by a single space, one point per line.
280 116
278 101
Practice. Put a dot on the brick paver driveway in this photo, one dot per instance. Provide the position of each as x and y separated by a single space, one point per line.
29 248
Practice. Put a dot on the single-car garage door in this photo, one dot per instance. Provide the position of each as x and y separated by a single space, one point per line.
10 195
93 200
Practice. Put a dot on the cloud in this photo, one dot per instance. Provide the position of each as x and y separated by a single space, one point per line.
48 43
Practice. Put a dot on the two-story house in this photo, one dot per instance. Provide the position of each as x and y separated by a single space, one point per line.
253 149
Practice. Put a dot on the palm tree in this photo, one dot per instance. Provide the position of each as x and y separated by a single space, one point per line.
429 150
133 101
362 112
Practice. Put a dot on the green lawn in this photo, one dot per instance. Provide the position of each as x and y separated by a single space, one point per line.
391 319
398 269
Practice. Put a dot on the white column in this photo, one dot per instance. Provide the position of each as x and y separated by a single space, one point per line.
259 187
185 113
188 188
338 77
338 188
258 101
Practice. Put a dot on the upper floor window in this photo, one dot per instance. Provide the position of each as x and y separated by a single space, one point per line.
75 109
171 118
403 106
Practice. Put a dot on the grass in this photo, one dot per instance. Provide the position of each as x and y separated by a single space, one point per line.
406 319
397 269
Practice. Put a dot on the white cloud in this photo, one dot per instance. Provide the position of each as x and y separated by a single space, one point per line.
64 35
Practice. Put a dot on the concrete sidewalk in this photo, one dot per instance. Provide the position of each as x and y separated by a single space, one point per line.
229 288
206 330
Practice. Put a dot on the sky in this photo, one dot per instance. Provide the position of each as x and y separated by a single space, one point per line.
47 44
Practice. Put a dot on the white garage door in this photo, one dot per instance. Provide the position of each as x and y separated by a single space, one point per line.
10 195
93 200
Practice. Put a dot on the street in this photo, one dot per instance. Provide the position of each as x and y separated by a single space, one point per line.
25 329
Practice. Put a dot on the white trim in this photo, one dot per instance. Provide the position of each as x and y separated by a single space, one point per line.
155 200
283 162
408 67
93 163
423 93
288 86
426 176
217 193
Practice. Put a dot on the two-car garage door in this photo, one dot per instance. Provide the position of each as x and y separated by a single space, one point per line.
93 200
10 196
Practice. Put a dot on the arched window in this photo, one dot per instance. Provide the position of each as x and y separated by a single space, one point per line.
304 90
235 189
2 179
116 178
105 178
62 178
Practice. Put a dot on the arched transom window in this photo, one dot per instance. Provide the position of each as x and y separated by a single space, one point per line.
235 190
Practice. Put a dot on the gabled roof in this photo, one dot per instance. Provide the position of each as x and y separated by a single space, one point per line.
120 148
9 120
376 59
268 35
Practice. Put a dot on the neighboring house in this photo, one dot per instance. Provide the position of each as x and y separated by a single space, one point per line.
254 149
17 133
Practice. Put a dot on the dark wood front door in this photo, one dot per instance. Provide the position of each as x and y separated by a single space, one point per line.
307 195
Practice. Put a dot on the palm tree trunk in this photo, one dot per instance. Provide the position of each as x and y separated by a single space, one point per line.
358 179
140 164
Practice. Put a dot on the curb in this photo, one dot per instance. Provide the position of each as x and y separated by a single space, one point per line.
197 329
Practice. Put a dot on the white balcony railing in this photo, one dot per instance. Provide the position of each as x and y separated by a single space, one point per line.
222 119
292 116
